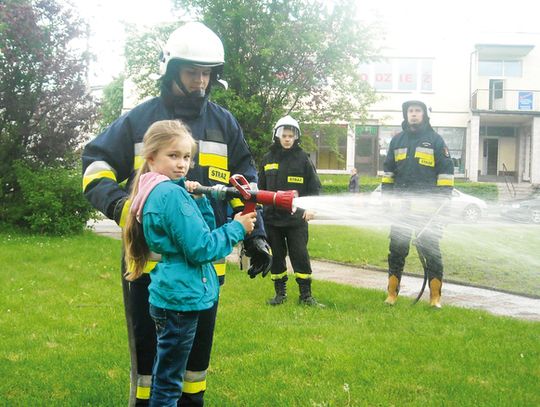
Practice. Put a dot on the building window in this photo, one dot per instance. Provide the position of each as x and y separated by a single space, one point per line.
366 149
329 143
454 137
385 135
499 68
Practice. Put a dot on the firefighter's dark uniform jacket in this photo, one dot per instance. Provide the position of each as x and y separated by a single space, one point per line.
112 158
114 155
418 162
285 170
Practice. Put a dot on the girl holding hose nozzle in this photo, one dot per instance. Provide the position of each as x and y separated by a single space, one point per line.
165 219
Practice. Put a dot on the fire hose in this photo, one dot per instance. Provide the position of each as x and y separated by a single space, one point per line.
419 249
251 197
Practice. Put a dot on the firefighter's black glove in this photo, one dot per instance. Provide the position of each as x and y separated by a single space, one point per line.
116 208
260 254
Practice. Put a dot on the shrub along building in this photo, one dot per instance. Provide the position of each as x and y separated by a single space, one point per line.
484 96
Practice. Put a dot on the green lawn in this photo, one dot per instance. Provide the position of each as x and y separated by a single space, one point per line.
63 341
504 257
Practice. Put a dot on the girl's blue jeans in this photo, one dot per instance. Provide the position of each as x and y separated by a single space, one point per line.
175 333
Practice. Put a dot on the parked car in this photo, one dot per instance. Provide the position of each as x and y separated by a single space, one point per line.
523 210
462 206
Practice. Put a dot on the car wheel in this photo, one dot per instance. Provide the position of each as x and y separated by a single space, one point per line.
535 216
472 213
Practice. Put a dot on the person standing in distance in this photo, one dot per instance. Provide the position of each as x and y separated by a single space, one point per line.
418 163
191 63
354 184
287 167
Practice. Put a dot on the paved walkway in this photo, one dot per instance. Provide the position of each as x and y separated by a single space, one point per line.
491 301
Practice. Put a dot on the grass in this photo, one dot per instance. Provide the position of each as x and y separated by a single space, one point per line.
63 341
497 256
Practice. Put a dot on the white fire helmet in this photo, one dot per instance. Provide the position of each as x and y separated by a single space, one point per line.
193 42
286 121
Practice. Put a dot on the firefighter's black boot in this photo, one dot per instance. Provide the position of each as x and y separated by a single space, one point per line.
281 292
305 294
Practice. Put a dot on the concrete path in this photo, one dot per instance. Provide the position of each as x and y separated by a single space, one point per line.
491 301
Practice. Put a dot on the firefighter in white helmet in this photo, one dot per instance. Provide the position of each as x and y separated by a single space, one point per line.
286 167
191 63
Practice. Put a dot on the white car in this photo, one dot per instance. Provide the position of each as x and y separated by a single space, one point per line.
462 206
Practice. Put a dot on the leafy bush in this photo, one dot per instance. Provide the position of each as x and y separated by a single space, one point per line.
51 201
339 183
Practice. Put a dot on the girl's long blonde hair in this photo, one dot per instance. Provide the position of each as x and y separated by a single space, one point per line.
158 136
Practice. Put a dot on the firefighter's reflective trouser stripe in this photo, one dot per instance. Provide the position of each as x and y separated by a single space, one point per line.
280 276
194 382
144 383
292 240
142 344
428 244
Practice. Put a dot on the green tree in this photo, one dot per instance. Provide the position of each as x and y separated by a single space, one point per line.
111 103
297 56
45 107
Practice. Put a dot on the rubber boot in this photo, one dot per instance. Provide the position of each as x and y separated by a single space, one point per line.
393 290
281 293
306 298
435 286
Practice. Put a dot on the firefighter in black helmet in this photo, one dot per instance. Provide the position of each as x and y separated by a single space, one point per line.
191 63
417 164
287 167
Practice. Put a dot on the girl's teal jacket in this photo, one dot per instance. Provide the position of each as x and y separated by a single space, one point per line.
182 229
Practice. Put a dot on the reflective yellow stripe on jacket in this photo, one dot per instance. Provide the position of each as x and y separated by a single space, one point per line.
212 154
388 178
98 170
445 180
271 166
220 266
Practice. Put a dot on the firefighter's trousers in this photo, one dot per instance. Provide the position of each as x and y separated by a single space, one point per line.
142 345
427 244
291 239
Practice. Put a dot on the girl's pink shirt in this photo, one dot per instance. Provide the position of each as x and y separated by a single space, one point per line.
147 182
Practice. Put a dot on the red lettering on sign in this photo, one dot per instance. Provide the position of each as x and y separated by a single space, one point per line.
383 77
406 77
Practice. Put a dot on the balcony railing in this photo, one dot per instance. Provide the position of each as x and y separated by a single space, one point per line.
506 99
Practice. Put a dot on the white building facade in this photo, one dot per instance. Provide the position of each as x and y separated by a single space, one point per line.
484 96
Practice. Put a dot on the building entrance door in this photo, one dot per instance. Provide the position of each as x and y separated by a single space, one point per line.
366 149
491 154
496 90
